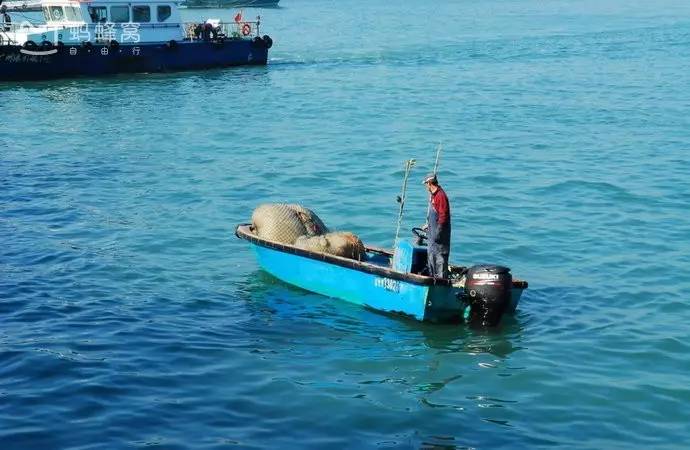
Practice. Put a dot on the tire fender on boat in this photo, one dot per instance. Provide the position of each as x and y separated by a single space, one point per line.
257 42
268 41
246 29
46 45
30 45
171 44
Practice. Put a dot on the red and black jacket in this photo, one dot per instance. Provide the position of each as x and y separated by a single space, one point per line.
439 222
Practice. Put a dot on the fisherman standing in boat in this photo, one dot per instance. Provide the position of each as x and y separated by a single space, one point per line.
438 228
6 20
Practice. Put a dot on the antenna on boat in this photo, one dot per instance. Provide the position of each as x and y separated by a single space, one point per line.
401 198
438 156
439 147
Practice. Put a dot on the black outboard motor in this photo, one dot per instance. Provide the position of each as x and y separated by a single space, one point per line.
488 290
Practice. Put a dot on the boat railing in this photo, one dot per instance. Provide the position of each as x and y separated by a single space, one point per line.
210 30
5 33
231 30
79 31
14 27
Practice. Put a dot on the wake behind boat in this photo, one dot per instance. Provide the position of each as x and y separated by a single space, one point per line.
102 37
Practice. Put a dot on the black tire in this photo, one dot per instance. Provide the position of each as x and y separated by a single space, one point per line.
268 41
114 44
257 42
171 44
46 45
30 45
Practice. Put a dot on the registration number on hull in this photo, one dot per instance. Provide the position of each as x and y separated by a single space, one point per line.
387 284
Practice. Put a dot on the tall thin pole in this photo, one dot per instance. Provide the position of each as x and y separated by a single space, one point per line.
438 156
401 199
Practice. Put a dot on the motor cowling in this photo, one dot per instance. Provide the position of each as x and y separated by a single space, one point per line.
488 289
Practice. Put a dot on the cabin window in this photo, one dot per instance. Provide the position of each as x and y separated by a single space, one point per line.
73 14
141 14
119 14
164 13
56 14
98 14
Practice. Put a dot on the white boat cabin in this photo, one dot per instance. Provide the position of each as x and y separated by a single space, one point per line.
103 21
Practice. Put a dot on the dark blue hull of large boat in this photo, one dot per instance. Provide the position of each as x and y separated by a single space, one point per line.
17 63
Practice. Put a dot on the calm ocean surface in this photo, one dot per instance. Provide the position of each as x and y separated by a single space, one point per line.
130 315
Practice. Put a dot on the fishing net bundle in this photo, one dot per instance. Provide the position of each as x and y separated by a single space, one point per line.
284 223
340 243
296 225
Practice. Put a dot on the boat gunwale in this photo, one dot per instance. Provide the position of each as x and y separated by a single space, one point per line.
242 231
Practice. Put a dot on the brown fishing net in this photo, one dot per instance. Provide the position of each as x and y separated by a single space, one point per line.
296 225
340 243
284 223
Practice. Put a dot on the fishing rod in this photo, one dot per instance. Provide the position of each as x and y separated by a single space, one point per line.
401 198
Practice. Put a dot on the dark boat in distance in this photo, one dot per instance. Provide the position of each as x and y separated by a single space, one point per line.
22 5
105 37
230 3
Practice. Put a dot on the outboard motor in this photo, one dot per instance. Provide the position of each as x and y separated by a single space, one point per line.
488 288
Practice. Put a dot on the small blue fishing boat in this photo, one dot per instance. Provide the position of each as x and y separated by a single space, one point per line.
395 281
392 281
101 37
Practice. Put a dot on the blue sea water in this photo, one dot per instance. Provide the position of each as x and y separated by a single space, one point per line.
130 316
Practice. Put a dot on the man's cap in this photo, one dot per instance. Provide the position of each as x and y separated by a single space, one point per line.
430 178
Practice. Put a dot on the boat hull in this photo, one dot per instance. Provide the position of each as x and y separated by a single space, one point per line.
372 283
17 63
423 302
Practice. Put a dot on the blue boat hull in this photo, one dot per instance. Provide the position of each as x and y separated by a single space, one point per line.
423 302
17 63
372 283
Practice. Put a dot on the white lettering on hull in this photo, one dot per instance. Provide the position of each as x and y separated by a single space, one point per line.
387 284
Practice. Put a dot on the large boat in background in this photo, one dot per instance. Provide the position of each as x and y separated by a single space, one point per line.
22 5
101 37
230 3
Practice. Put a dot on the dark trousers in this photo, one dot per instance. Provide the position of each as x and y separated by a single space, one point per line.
437 263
